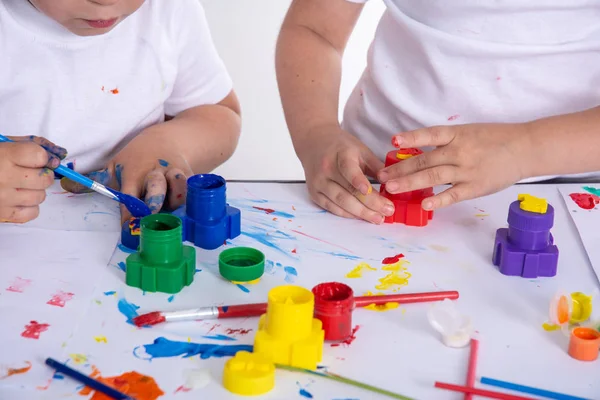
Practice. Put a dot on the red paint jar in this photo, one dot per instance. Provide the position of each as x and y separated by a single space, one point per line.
334 303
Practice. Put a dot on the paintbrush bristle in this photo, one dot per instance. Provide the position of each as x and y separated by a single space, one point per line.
135 206
152 318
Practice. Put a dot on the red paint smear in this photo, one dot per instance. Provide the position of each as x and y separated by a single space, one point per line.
274 218
180 195
586 201
17 371
213 327
240 331
266 210
322 241
392 260
34 329
103 88
60 299
133 384
182 389
115 91
293 208
19 285
294 251
453 117
350 339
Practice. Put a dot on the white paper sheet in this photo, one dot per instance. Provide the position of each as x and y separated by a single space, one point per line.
582 202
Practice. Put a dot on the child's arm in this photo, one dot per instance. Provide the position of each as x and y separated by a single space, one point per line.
309 62
480 159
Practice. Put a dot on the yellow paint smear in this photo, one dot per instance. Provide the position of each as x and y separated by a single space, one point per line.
482 215
254 282
550 327
398 266
78 358
101 339
382 307
358 270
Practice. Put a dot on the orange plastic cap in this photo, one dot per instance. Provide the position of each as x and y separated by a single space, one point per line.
584 344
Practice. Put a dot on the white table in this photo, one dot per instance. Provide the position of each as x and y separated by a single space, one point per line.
397 350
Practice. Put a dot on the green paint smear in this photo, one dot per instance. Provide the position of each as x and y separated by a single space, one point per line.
592 190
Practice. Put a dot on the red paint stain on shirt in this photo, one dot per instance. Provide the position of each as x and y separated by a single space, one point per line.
586 201
453 117
34 329
392 260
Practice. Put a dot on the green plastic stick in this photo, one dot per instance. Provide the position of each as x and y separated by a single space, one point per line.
338 378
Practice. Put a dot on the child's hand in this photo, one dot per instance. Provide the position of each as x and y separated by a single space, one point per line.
155 180
25 175
336 165
476 159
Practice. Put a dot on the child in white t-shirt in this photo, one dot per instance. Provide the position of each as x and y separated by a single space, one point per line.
133 89
506 91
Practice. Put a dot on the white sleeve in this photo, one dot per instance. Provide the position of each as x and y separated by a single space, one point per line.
201 74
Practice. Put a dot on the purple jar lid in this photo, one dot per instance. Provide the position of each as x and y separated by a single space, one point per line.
529 221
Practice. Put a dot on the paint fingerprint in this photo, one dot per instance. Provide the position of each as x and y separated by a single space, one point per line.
165 348
129 310
60 298
16 371
350 339
585 200
34 329
358 270
290 274
19 285
131 383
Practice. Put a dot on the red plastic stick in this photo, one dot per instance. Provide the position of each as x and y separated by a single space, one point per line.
481 392
243 310
472 367
405 298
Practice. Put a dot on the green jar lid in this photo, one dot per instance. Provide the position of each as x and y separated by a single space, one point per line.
241 264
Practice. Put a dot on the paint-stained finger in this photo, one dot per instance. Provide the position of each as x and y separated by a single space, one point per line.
155 190
103 176
415 164
19 215
176 188
27 154
349 203
132 183
58 151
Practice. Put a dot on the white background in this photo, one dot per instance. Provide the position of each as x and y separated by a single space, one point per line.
245 32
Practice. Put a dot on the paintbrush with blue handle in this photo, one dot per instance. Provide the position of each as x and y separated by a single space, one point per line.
136 207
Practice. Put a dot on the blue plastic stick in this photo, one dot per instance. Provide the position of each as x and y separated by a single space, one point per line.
87 381
527 389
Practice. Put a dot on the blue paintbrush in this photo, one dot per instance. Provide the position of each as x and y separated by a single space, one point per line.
86 380
136 207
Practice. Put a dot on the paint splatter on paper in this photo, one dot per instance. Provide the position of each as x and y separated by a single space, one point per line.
380 307
78 359
164 348
60 298
133 384
129 310
359 269
585 201
100 339
392 260
34 329
19 285
349 340
10 371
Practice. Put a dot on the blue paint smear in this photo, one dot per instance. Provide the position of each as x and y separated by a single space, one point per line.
290 274
225 308
163 162
128 309
220 337
109 293
305 393
170 299
269 267
260 235
118 173
197 270
243 288
58 376
123 266
164 348
125 249
345 256
281 214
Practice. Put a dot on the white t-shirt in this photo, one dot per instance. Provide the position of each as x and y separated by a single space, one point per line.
440 62
92 95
